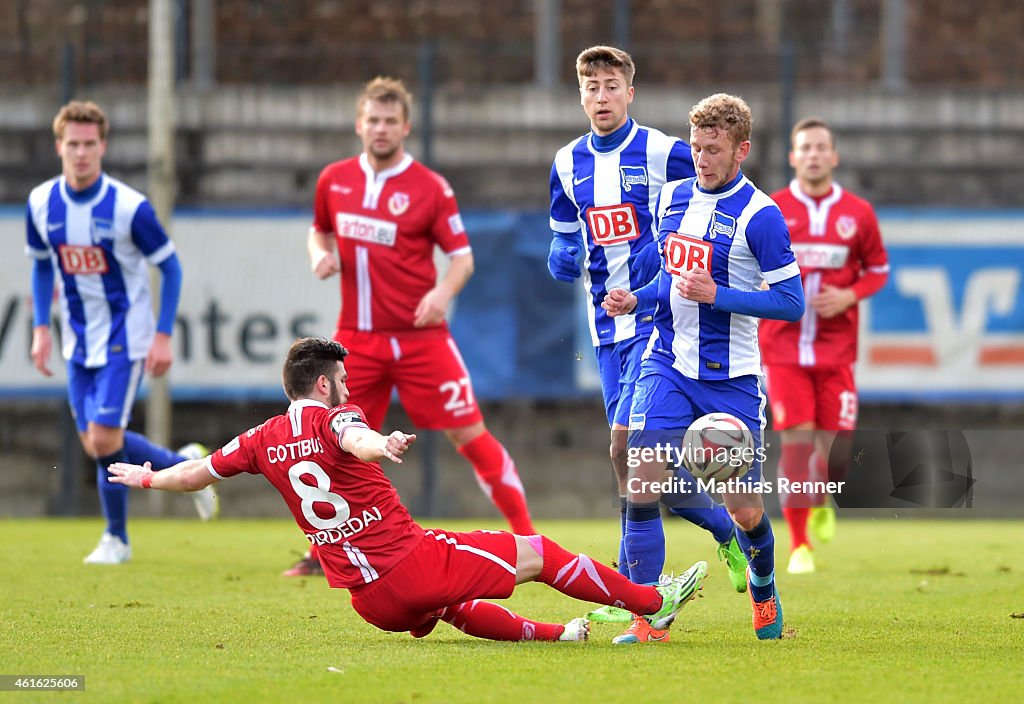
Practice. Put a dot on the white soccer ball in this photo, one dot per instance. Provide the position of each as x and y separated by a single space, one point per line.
718 447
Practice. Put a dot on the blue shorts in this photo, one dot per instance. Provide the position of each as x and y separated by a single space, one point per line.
103 395
666 402
619 366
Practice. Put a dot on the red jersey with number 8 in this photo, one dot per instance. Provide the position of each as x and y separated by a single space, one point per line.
346 507
386 225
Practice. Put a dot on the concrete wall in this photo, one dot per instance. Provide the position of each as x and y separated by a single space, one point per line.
266 146
560 450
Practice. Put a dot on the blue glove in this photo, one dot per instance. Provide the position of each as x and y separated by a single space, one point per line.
562 261
646 264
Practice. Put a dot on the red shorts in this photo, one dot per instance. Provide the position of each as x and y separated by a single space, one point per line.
426 367
824 396
445 569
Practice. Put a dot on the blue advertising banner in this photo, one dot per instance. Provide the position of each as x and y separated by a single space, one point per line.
949 325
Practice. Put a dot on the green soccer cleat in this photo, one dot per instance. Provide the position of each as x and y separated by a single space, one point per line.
676 593
822 521
736 562
801 561
610 614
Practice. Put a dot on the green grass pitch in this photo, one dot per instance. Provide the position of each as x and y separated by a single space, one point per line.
900 610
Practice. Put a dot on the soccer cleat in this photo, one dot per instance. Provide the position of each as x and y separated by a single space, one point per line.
640 631
610 614
736 561
767 615
675 593
306 567
206 501
822 521
111 550
193 451
577 629
801 561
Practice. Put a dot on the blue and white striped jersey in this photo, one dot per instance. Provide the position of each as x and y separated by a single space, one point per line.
99 241
741 232
610 198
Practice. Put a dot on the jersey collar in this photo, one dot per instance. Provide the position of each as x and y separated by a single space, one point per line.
817 211
306 403
835 195
372 175
87 196
619 138
726 190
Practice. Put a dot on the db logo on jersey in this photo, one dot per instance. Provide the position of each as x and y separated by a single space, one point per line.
78 259
684 254
612 224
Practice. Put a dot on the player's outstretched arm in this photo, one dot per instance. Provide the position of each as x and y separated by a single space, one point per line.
370 446
322 258
190 475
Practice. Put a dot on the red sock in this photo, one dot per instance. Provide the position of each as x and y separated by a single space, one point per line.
581 577
485 619
796 519
498 478
794 464
817 471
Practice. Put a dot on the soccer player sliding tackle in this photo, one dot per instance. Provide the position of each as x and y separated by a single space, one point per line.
323 459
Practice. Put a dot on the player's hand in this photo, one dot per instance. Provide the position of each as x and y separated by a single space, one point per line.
831 301
42 347
562 263
129 474
618 301
697 285
326 265
160 356
396 445
432 307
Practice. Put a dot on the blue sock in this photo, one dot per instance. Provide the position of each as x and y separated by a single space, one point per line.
645 542
759 546
139 450
696 506
623 562
113 497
